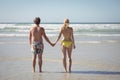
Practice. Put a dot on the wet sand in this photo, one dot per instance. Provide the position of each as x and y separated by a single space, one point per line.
91 61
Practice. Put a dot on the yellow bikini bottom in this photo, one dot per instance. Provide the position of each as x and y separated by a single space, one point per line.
66 43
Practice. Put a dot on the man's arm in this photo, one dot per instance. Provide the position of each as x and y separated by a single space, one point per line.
30 36
59 36
45 37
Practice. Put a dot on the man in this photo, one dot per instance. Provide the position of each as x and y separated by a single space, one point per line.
36 42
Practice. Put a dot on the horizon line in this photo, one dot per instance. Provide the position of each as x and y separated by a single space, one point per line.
60 23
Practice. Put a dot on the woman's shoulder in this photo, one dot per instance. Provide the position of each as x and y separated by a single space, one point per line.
70 28
62 28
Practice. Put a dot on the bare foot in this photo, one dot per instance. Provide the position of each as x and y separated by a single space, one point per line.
65 70
69 70
40 71
33 71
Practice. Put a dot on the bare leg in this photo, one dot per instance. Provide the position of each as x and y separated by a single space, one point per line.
40 61
64 58
34 62
69 56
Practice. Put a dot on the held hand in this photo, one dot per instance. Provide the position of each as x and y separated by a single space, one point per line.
53 44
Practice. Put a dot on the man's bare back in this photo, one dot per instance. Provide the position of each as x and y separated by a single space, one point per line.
36 33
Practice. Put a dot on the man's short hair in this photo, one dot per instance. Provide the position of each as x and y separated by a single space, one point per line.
37 20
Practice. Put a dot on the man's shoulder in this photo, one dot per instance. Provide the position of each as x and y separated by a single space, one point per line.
34 27
41 28
31 28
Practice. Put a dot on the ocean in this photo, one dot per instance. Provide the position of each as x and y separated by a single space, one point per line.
90 32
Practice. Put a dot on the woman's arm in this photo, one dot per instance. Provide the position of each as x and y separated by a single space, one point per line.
59 36
73 41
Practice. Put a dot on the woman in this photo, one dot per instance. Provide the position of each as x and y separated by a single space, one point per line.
67 43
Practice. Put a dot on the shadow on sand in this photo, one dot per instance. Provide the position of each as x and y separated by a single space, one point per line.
96 72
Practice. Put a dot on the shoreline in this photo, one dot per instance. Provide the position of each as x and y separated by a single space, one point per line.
93 61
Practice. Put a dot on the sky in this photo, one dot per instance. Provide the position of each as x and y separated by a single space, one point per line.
58 10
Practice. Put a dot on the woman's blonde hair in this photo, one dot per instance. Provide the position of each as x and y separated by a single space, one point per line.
66 22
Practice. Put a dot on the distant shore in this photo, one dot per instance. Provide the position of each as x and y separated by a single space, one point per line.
61 22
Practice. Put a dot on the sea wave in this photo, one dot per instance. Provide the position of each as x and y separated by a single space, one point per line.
54 29
13 35
99 35
21 35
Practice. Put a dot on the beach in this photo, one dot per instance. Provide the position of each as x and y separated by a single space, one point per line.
95 25
93 59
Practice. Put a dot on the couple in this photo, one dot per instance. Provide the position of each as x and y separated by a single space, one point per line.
36 43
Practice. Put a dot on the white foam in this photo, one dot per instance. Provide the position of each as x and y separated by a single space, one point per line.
99 30
11 35
99 35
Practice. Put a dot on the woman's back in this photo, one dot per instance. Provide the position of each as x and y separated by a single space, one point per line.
67 33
